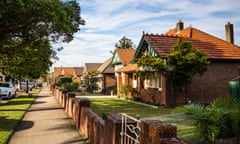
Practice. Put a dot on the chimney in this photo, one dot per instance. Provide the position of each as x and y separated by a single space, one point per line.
179 26
229 33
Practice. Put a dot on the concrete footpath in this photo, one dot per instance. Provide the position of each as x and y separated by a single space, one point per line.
46 122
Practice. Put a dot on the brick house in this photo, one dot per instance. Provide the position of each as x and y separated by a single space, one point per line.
107 80
121 58
223 55
75 72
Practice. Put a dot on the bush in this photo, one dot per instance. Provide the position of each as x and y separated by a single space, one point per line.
221 119
62 80
71 87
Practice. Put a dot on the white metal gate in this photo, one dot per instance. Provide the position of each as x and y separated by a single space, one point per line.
130 130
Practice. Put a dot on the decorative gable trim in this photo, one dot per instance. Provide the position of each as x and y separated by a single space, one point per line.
149 50
115 59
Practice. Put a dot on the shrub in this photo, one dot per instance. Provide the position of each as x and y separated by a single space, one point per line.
71 87
221 119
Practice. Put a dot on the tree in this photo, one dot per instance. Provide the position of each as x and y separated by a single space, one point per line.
26 29
38 19
186 62
124 43
27 62
91 81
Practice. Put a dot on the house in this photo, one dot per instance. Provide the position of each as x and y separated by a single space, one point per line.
75 72
107 80
223 55
88 69
121 57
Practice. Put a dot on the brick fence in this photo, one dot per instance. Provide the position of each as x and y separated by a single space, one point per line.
107 130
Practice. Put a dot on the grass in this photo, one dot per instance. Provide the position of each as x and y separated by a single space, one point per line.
11 114
115 105
185 127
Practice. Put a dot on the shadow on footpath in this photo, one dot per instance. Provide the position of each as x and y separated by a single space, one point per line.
9 124
23 125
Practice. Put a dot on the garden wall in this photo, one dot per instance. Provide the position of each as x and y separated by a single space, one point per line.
107 130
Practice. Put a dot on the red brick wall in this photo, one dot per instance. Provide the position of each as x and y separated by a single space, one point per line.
213 83
110 80
150 95
107 131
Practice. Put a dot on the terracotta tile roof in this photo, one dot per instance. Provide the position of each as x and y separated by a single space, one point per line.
67 71
106 67
214 47
128 68
125 55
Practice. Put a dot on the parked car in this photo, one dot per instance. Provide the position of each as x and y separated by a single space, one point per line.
31 85
7 90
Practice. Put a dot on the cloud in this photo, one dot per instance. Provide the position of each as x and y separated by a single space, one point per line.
108 20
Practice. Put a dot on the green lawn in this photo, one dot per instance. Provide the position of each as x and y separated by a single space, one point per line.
11 113
115 105
186 128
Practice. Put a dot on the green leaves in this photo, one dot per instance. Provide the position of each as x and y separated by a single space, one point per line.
218 120
151 63
187 62
124 43
26 29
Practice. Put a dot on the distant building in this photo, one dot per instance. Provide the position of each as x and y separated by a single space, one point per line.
107 80
75 72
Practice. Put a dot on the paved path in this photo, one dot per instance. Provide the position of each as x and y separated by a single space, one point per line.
46 123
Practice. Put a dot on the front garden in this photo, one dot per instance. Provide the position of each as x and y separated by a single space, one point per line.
196 123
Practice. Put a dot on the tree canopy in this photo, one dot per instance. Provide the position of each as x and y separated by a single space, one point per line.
27 27
186 62
124 43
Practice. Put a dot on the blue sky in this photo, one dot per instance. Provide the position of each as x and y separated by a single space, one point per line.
107 21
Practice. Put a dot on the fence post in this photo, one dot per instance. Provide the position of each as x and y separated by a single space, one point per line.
113 124
69 105
80 103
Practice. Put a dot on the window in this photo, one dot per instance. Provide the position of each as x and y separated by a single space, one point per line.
134 85
154 82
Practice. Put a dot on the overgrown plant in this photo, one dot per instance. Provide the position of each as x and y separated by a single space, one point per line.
221 119
66 83
124 89
91 80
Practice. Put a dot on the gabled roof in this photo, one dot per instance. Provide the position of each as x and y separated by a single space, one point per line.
123 56
106 67
79 71
214 47
90 67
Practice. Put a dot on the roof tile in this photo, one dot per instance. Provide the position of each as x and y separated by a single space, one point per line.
125 55
214 47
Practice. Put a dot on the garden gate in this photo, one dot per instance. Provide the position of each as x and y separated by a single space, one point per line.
130 131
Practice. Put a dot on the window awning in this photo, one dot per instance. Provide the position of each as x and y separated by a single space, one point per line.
129 68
